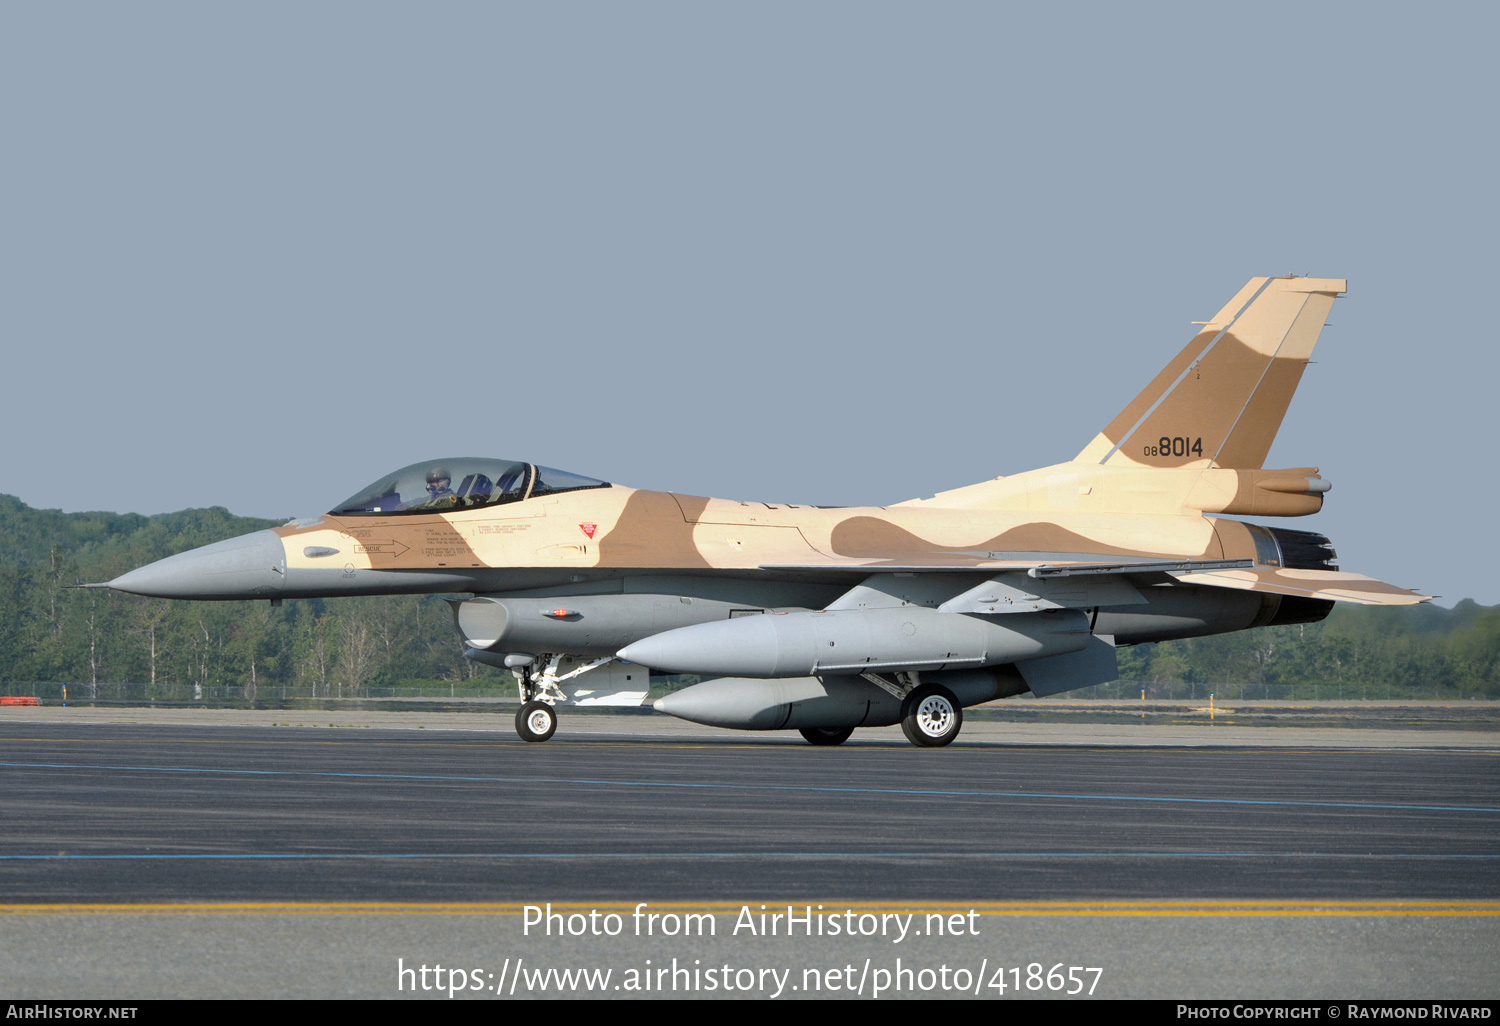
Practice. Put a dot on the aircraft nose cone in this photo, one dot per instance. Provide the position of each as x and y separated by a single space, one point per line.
250 566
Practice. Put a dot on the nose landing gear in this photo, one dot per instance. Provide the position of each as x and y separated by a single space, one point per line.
540 693
536 721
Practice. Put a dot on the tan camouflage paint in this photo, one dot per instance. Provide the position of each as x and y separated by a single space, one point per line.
1226 392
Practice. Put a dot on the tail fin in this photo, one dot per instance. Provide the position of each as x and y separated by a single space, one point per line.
1222 398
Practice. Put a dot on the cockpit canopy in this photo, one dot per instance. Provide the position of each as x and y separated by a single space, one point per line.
442 486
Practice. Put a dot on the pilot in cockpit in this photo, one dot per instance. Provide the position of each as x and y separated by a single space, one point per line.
439 486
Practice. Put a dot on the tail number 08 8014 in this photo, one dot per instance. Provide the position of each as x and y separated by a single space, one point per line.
1175 447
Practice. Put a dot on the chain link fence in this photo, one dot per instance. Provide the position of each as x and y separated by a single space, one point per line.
1268 692
504 688
50 692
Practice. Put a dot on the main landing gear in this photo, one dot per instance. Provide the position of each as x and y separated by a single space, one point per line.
931 716
826 735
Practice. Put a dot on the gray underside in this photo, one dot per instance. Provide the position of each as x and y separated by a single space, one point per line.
1009 631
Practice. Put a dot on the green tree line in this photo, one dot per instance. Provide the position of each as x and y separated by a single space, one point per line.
1424 651
50 632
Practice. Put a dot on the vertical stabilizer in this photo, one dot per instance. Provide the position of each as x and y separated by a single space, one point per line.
1221 400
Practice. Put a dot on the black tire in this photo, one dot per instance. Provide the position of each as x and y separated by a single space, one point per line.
931 716
536 721
825 735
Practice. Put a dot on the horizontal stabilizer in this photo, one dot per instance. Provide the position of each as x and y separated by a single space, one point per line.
1160 566
1326 585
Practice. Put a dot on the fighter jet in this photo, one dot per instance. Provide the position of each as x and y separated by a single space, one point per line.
827 619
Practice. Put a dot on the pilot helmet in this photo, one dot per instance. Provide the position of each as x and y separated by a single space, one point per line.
437 474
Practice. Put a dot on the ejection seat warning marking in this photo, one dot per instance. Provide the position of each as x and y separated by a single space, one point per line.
382 548
443 544
588 529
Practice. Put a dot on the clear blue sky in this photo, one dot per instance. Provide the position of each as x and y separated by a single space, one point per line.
253 255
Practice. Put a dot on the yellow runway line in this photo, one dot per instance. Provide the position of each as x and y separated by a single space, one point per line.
508 743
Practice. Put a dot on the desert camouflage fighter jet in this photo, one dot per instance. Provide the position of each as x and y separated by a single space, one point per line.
823 620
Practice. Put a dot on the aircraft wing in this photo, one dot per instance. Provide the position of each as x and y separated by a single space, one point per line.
1328 585
1239 574
1031 567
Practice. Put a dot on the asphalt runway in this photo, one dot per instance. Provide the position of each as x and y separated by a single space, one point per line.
202 853
101 813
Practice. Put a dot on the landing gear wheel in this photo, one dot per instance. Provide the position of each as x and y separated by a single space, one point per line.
536 721
826 735
931 716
